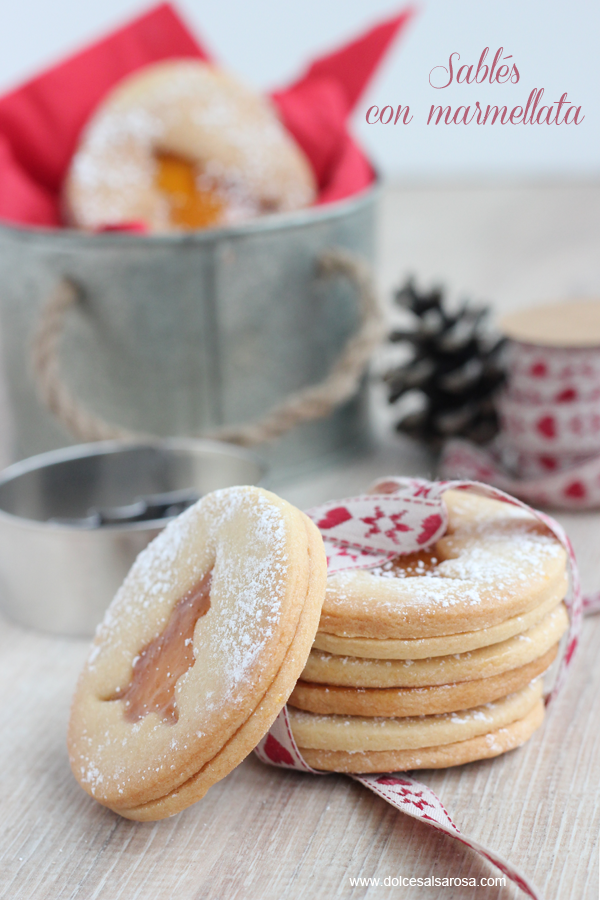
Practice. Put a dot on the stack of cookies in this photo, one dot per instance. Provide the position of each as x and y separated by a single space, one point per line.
435 658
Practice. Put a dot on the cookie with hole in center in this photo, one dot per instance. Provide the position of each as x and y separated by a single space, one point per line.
181 145
495 562
198 652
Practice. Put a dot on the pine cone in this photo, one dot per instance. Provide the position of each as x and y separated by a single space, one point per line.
455 367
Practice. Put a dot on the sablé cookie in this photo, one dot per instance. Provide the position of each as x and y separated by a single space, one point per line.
450 634
198 652
328 699
422 648
353 671
182 145
495 562
360 733
485 746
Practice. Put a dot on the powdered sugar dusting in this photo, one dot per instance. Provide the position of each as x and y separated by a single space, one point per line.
492 552
253 573
244 538
186 108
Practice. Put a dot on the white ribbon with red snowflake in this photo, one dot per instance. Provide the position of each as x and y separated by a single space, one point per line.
399 516
362 532
412 797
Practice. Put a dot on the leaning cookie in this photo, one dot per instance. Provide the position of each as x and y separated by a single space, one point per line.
197 653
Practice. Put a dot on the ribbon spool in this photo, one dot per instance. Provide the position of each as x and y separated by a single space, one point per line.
548 451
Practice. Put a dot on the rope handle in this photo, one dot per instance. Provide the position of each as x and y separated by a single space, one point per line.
305 405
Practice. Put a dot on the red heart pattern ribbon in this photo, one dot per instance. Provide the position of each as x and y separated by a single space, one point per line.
577 487
548 451
402 515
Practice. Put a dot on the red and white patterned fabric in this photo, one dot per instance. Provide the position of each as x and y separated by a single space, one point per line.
550 426
571 487
360 533
400 516
548 451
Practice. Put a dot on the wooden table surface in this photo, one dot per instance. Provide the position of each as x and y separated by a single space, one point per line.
267 833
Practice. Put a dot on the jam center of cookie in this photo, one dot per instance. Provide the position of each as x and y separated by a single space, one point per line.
423 562
190 206
165 659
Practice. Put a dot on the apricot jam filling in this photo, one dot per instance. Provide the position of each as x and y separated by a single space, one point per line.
163 661
190 206
423 562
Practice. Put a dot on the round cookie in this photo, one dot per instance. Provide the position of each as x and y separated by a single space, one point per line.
357 733
353 671
344 701
423 648
182 145
484 746
197 653
495 562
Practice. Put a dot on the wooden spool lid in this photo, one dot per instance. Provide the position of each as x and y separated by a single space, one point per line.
572 323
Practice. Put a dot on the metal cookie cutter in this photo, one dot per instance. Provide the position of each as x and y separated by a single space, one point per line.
72 521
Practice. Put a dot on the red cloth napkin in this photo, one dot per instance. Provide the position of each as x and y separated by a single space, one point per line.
40 122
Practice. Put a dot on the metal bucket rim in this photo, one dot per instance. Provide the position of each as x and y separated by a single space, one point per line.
106 448
264 224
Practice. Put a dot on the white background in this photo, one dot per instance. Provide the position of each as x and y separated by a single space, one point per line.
268 42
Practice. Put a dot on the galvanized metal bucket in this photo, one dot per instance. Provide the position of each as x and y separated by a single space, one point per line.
179 334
